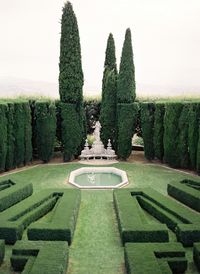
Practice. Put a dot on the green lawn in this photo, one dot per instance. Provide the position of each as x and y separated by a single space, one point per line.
96 247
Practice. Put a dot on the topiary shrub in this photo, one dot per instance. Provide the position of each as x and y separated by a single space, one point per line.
3 135
193 132
126 122
147 124
158 131
45 115
171 133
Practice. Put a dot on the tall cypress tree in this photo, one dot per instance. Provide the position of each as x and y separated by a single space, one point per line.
71 84
71 74
126 78
110 61
126 114
109 89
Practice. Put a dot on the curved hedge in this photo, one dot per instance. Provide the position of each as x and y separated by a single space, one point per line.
45 115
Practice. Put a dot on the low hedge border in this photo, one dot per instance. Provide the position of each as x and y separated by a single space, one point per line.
62 225
15 219
132 222
183 221
185 192
12 193
155 258
2 250
40 257
196 254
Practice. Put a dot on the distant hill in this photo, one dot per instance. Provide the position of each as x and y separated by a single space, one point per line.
14 87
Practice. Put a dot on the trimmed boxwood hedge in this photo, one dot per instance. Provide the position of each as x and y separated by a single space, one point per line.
187 192
32 257
126 122
132 222
15 219
59 228
12 193
143 258
158 131
184 222
147 124
45 115
2 250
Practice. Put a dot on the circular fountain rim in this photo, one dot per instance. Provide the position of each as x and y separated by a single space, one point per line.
114 170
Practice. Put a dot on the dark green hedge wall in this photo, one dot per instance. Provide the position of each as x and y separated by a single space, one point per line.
45 115
127 118
72 130
193 132
3 135
183 153
27 133
10 137
147 124
92 112
158 131
198 155
171 133
19 134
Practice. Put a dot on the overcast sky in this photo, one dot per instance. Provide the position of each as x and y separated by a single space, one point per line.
165 34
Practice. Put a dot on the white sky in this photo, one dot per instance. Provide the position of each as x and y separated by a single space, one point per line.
165 34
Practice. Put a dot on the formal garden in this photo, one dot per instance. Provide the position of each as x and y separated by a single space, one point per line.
150 225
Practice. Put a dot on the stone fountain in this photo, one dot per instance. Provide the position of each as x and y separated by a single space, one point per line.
98 151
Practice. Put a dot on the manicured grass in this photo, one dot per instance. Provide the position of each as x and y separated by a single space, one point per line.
96 247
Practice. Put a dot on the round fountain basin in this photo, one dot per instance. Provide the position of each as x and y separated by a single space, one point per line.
98 177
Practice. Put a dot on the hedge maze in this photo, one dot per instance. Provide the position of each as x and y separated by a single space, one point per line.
57 210
35 257
133 225
12 193
145 238
187 192
162 258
